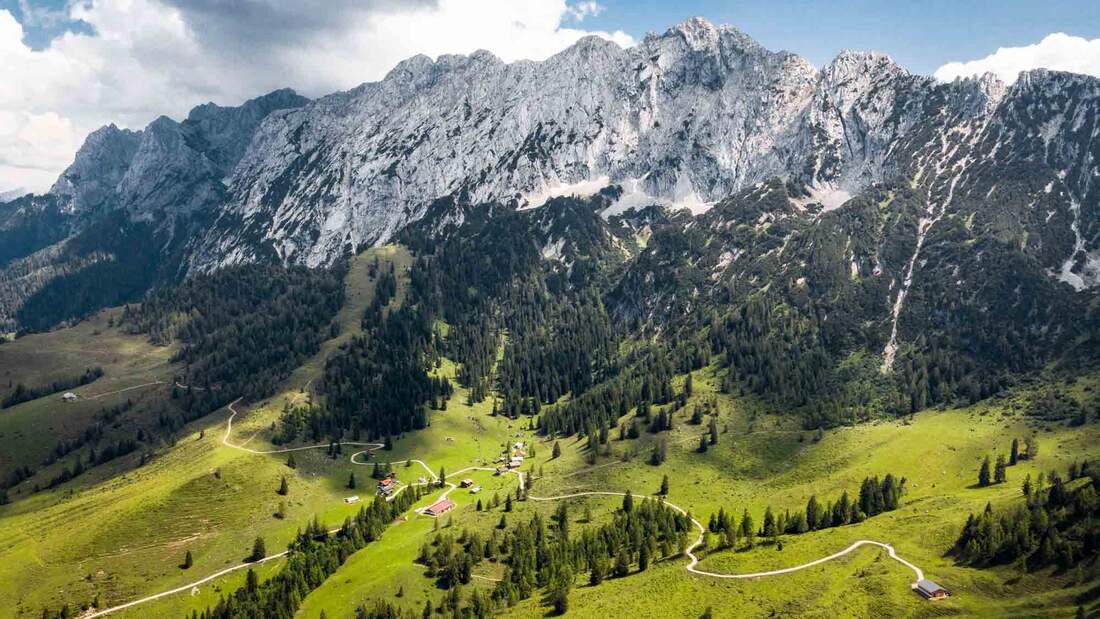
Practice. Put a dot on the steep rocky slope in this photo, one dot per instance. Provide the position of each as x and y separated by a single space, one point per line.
694 117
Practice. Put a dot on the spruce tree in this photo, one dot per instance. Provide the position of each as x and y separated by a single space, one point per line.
622 563
1014 454
664 485
556 453
628 502
999 475
983 473
188 560
713 431
283 487
258 550
351 481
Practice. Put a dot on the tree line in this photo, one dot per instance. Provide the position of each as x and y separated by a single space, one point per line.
22 393
1057 523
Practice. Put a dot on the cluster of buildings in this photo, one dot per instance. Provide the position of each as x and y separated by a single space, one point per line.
387 485
511 459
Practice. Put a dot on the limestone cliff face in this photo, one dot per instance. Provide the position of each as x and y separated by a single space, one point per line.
687 118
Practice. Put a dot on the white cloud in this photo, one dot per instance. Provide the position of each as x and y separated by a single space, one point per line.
1058 51
153 57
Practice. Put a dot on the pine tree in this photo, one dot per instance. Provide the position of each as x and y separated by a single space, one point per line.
188 560
556 453
599 571
713 431
628 502
983 473
258 550
999 475
664 485
769 529
442 477
351 481
1014 455
747 530
290 462
622 563
283 487
703 445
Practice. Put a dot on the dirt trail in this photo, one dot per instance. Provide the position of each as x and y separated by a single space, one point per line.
434 479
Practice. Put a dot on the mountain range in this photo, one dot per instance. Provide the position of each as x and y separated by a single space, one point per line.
692 172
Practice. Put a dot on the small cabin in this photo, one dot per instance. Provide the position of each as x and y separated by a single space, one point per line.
930 590
466 483
475 489
351 499
387 485
69 396
440 507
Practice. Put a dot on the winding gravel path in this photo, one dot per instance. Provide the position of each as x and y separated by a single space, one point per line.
372 447
702 531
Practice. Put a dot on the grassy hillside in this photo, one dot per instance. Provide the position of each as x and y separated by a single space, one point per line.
28 431
121 531
756 464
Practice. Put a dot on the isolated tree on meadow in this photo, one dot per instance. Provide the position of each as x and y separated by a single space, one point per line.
664 486
290 462
351 481
999 474
188 560
713 431
556 453
284 488
259 551
983 473
1014 454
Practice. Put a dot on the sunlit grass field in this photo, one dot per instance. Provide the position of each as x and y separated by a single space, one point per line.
121 531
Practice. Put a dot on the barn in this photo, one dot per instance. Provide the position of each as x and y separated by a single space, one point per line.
931 590
440 507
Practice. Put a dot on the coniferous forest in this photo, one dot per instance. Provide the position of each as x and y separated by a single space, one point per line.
1056 522
242 329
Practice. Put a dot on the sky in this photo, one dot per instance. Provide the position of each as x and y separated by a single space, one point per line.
70 66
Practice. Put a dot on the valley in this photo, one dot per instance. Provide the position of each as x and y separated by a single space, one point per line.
682 328
212 491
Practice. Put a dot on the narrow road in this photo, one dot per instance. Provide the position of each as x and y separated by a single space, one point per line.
183 588
702 531
229 432
372 447
103 395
